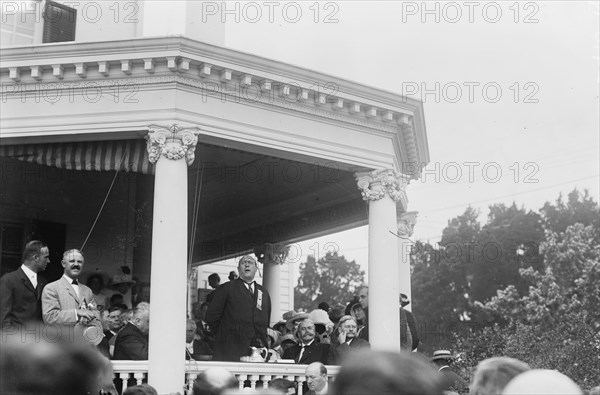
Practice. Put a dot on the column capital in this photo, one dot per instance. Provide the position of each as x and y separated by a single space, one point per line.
173 142
374 185
406 223
275 253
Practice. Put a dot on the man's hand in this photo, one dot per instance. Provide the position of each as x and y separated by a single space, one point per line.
85 316
342 337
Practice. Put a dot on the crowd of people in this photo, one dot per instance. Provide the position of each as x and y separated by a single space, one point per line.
96 323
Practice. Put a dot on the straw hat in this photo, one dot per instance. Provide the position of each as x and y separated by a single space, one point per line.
442 354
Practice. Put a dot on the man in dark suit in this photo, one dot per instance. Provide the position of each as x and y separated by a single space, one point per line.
239 314
309 350
21 290
132 339
346 341
451 381
195 347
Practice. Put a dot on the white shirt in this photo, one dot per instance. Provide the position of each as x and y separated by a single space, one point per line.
303 347
31 275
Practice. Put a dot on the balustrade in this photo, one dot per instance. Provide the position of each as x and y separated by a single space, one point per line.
256 375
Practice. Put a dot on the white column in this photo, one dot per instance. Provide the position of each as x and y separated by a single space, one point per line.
272 256
172 149
272 281
406 225
382 189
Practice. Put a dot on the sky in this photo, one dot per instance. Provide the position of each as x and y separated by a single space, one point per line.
510 93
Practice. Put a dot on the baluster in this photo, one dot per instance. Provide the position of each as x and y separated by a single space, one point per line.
300 380
265 379
139 376
253 380
124 379
241 380
191 377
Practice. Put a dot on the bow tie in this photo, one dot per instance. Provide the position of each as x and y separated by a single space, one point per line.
74 282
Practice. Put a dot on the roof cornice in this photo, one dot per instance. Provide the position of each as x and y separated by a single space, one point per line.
343 99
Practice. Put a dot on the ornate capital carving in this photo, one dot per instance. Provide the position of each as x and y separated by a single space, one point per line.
375 184
274 253
173 143
406 223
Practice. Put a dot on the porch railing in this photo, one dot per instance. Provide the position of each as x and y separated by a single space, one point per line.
257 374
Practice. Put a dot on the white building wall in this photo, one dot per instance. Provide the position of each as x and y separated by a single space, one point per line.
23 21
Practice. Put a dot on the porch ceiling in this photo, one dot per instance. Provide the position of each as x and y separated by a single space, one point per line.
247 199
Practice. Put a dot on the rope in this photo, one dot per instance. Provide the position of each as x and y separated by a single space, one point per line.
104 202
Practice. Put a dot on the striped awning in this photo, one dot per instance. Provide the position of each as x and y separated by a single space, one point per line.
122 155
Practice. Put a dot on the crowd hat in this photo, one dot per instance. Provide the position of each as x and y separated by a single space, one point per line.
85 276
288 337
122 279
296 316
404 300
442 354
319 316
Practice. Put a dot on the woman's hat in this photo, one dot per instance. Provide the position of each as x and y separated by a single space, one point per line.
295 317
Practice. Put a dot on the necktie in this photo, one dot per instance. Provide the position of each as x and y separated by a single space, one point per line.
250 288
74 282
301 353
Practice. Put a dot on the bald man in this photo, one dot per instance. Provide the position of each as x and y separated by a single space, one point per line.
239 314
316 379
214 381
542 381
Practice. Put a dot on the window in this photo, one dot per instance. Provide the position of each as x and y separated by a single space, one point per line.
59 23
18 24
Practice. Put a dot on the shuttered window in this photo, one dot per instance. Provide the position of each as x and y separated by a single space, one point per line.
59 23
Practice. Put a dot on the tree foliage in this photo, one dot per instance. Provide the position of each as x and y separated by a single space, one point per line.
539 301
332 279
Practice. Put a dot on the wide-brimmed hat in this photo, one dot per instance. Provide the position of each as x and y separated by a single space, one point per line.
442 354
319 316
296 317
122 279
404 300
287 336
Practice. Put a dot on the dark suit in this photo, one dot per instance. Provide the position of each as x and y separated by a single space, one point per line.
451 380
131 344
316 352
339 351
201 350
19 301
236 320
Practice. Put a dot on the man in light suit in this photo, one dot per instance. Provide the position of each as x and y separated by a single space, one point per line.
21 290
65 301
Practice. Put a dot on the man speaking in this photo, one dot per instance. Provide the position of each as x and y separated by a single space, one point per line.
239 314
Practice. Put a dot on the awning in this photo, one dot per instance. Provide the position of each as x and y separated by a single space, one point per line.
122 155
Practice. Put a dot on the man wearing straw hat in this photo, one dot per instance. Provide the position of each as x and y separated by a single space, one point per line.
442 360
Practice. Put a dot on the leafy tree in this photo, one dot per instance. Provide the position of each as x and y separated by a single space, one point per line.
332 279
555 322
470 264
